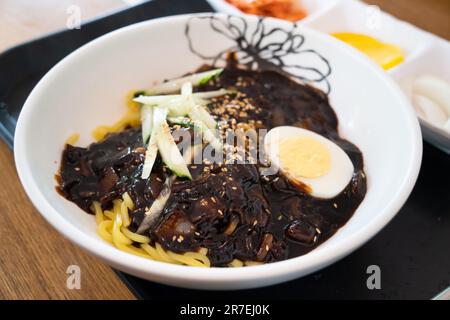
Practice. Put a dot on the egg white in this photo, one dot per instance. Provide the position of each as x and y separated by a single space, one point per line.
327 186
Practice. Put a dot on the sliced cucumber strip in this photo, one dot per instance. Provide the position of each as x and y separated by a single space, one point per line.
197 79
199 113
183 121
209 136
150 157
169 151
200 116
174 98
146 122
158 117
205 77
186 89
212 94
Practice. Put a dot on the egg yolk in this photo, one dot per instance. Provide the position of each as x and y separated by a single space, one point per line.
384 54
304 157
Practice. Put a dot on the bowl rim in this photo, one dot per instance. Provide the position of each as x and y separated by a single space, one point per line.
287 269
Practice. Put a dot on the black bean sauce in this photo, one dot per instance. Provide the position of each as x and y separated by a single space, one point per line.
231 209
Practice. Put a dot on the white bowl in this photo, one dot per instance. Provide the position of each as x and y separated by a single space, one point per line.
87 88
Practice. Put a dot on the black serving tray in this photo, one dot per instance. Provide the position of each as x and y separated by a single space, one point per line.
413 251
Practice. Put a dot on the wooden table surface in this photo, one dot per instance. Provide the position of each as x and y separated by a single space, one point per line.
33 256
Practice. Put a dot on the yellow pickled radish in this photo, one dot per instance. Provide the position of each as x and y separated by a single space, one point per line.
384 54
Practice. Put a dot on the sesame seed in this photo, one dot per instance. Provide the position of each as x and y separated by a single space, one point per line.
213 199
234 188
335 205
220 212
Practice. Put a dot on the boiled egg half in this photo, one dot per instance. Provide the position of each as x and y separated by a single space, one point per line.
309 159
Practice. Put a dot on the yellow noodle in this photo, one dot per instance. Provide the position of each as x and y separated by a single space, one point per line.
163 254
116 206
124 214
109 214
104 230
136 237
199 257
73 139
118 237
151 251
132 106
236 263
98 212
185 259
112 228
132 250
253 263
127 199
130 119
100 132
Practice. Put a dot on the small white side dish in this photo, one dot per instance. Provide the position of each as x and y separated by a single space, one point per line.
89 86
433 61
